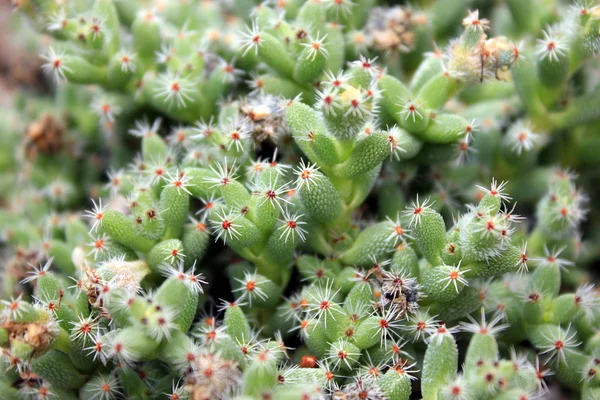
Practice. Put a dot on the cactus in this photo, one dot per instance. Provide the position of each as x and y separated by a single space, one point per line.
301 200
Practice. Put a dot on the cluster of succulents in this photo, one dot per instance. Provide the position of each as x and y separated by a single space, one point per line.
302 199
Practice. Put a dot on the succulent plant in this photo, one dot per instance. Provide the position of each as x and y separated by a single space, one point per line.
320 199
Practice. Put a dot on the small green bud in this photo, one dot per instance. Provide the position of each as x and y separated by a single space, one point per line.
444 128
440 362
396 383
124 230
